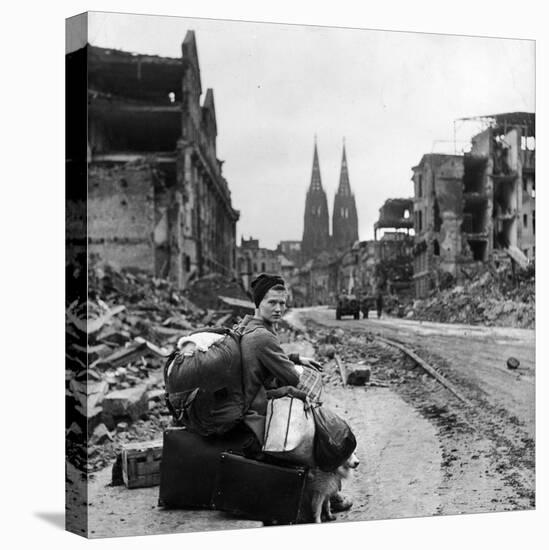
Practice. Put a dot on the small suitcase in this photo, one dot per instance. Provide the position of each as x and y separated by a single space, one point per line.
259 490
189 466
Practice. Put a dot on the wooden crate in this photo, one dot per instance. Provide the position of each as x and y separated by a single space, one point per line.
141 463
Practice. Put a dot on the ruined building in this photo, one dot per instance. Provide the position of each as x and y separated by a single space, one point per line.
290 249
344 218
396 215
477 207
316 230
157 198
394 249
253 260
438 214
499 187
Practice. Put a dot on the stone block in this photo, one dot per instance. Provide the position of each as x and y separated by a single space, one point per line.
130 403
101 435
155 395
357 374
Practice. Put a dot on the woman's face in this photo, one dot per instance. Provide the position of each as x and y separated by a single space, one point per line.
273 305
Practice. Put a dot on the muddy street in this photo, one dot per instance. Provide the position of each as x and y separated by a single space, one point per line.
423 452
474 356
486 446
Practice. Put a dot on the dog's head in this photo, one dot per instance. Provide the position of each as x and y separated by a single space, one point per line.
351 463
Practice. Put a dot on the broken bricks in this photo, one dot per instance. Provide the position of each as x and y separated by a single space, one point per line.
353 374
131 403
121 349
327 350
101 435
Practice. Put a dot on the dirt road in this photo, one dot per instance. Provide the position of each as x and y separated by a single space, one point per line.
422 451
475 356
487 447
398 476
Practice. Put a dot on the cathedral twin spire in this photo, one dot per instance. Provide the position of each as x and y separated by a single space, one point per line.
316 234
316 237
316 182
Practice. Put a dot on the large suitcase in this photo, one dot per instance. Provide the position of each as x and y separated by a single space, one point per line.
189 466
259 490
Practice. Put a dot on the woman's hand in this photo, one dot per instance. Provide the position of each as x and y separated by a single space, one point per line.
309 362
286 391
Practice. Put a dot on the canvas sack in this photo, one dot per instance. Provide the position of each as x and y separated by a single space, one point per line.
289 430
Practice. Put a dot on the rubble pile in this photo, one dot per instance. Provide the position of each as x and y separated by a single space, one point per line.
358 349
117 344
495 297
205 291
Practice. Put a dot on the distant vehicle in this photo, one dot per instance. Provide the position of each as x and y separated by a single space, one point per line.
347 304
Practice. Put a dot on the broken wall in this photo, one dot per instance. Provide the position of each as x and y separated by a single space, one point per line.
438 216
449 197
481 143
449 240
170 210
134 101
528 213
121 215
512 137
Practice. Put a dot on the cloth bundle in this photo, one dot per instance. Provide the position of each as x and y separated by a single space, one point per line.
310 382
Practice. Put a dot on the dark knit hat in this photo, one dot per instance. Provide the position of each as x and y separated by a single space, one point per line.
262 284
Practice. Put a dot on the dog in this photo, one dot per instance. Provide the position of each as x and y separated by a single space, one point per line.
321 486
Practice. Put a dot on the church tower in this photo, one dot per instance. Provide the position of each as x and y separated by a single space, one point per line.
344 218
316 226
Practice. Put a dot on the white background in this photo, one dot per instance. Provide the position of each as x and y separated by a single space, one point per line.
32 218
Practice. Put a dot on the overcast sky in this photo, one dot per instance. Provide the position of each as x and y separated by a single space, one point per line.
394 96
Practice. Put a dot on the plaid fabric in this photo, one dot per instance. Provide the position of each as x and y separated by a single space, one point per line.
310 382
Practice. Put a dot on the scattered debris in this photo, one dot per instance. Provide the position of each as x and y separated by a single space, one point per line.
513 363
327 350
101 434
117 343
358 374
341 367
428 368
131 403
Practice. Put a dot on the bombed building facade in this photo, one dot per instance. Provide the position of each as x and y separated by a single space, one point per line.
384 264
157 198
394 248
253 260
438 214
478 207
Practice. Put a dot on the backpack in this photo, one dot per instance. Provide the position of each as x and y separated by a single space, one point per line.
204 386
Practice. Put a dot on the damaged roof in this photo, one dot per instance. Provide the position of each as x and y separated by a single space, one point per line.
519 118
393 213
436 159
